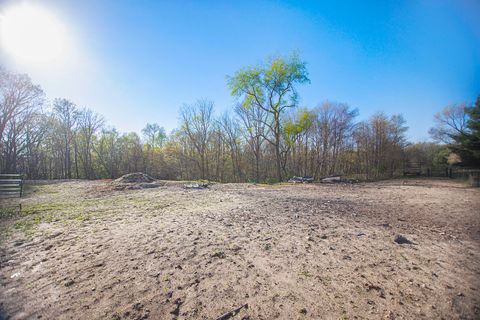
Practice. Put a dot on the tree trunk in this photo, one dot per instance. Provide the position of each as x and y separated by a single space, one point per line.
277 146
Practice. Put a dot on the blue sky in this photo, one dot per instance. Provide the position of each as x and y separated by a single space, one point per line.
139 61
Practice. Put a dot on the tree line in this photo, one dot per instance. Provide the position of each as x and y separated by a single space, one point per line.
265 137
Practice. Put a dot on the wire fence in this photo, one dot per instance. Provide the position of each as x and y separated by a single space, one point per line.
472 175
467 174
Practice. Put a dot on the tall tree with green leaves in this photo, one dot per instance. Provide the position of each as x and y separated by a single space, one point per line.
271 87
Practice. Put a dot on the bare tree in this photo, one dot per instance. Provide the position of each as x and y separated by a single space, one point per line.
333 127
267 128
89 122
449 122
380 143
232 134
67 115
107 150
19 100
154 135
197 122
255 130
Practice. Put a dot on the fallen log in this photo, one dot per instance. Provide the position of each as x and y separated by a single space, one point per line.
296 179
332 179
195 186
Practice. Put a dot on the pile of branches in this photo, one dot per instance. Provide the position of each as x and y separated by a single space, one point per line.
136 181
296 179
196 185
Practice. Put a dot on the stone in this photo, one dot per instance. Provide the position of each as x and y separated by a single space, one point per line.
402 240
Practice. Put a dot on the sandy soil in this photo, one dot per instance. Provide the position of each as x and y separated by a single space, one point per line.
80 250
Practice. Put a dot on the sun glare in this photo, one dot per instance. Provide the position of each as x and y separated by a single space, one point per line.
31 34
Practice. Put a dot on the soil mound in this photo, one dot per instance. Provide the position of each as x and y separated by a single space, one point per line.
136 177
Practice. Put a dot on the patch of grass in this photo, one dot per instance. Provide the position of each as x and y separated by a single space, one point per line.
32 215
43 207
304 274
202 181
81 216
27 224
325 280
344 316
5 233
158 206
30 285
278 184
24 225
69 212
42 190
271 180
9 212
267 184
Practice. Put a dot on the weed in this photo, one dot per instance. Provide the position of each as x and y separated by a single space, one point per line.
30 285
305 274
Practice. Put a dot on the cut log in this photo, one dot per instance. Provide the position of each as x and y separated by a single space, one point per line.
332 179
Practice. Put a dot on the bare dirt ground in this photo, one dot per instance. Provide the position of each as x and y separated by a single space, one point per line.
80 250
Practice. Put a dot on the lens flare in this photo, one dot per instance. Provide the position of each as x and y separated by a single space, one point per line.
32 34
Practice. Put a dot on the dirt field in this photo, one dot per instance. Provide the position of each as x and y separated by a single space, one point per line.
81 250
